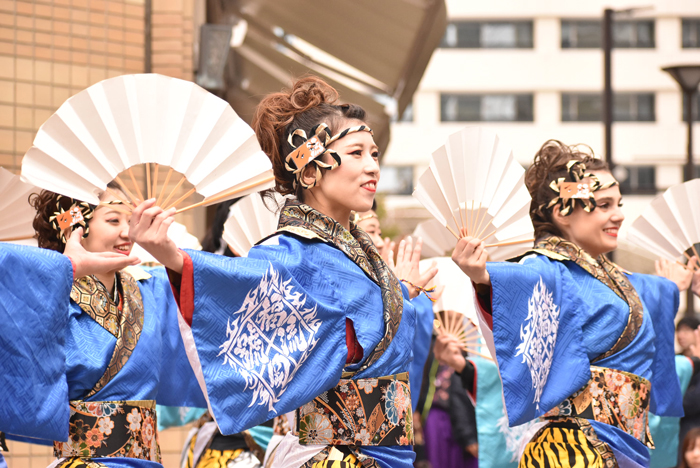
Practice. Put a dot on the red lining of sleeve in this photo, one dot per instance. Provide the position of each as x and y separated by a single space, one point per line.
355 351
486 309
183 288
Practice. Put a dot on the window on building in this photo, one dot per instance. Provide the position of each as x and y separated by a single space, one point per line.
488 35
696 106
627 107
636 180
396 180
690 33
486 107
588 34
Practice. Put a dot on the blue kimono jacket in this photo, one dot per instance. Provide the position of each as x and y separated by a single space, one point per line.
268 332
552 318
51 351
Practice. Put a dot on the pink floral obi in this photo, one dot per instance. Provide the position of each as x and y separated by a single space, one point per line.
359 412
100 429
612 397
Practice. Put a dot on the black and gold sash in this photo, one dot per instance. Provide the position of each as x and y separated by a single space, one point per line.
613 397
103 429
359 412
607 273
121 316
303 221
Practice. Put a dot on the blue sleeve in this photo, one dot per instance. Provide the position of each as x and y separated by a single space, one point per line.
267 332
35 289
537 336
177 385
660 297
421 348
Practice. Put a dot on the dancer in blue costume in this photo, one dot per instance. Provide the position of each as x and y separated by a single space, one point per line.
24 312
101 352
579 342
313 320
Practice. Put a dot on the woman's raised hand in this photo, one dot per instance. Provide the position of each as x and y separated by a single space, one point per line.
149 228
407 267
94 263
448 351
470 256
682 275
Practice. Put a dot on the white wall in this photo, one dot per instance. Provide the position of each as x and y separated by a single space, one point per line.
547 70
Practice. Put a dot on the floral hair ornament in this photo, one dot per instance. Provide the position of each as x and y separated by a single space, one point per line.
79 213
312 148
576 189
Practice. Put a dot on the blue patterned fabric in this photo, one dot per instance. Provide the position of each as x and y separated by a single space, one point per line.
421 347
269 331
550 319
665 429
78 350
34 289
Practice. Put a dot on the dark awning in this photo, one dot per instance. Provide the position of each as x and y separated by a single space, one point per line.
388 41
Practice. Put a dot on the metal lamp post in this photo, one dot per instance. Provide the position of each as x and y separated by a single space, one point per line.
688 77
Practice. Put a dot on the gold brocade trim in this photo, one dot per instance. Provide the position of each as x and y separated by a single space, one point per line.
105 429
612 397
371 411
606 272
304 221
123 319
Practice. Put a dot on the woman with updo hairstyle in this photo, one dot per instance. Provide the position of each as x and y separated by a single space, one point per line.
580 343
108 351
312 322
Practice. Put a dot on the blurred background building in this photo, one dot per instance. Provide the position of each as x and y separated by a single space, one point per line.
532 71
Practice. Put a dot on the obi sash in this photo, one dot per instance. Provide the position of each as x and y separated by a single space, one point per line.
359 412
103 429
613 397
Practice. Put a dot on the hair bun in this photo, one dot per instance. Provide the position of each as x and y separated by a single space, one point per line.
310 92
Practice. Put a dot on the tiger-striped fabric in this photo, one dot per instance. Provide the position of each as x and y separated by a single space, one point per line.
334 457
561 447
218 458
350 461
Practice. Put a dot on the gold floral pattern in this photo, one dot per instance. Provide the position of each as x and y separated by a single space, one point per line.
612 397
350 415
100 429
122 317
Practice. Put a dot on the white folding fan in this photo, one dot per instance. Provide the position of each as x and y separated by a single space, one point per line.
129 120
179 234
250 219
670 225
16 214
474 187
454 309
